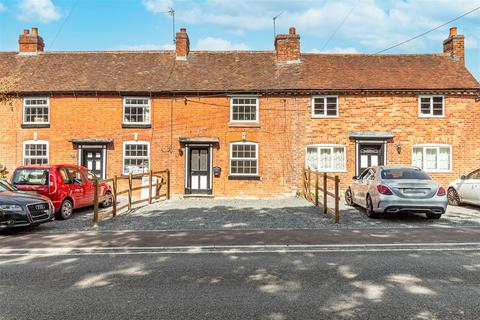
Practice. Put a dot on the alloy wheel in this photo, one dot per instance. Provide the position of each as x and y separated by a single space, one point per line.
453 198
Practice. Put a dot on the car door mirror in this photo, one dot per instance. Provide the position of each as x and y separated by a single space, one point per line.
463 177
355 178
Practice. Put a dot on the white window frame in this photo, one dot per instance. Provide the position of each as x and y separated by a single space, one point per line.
324 115
135 123
231 158
430 115
125 149
331 147
24 115
257 113
24 156
424 156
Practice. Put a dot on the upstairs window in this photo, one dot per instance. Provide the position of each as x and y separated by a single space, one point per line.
326 158
431 106
244 109
243 159
325 107
136 110
36 110
136 157
432 158
35 152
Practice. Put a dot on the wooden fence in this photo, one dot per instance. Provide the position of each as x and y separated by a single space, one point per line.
162 179
313 196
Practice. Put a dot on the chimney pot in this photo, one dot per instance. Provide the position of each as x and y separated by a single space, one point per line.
35 31
292 30
183 29
454 46
26 31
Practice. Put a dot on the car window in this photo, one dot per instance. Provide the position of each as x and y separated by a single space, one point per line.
370 175
76 176
90 175
30 176
474 175
363 174
404 174
64 175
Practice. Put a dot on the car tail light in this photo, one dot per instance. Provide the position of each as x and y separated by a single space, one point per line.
384 190
441 191
52 187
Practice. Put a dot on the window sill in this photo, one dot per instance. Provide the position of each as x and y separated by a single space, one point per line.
35 125
429 117
244 124
137 126
325 117
233 177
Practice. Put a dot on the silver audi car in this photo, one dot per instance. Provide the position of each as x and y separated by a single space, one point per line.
397 189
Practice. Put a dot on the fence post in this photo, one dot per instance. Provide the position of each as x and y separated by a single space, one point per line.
316 188
337 199
130 191
168 184
114 203
309 184
304 182
325 199
95 200
150 186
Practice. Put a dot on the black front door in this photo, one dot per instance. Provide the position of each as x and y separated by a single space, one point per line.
199 171
93 160
369 155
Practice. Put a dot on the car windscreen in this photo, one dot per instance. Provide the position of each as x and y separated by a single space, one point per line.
4 186
38 177
404 173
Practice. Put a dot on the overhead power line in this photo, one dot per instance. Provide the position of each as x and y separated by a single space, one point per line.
338 27
428 31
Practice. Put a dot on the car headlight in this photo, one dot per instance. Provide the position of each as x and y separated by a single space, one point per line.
11 207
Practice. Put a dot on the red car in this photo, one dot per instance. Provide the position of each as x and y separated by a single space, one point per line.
68 186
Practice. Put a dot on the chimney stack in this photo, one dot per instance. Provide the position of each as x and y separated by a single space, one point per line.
287 47
30 42
182 44
454 46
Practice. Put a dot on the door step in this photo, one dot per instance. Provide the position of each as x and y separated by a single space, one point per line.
199 195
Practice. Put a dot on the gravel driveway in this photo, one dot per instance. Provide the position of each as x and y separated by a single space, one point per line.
289 213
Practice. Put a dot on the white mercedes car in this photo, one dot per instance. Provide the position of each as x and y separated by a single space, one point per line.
465 190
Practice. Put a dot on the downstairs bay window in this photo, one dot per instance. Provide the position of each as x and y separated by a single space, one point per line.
432 158
326 158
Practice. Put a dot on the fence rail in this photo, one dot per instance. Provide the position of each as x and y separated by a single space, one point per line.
162 179
315 196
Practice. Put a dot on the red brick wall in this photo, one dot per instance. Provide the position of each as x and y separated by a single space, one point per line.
286 127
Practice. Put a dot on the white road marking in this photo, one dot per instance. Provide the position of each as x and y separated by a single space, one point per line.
466 246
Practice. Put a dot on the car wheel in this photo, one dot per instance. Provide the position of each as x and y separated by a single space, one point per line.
431 215
349 198
108 201
66 210
369 208
453 198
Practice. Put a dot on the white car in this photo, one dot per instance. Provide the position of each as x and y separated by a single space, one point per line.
465 190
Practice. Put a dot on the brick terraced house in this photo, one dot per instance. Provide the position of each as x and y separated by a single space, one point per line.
240 123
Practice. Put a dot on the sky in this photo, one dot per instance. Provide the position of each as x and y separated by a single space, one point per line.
326 26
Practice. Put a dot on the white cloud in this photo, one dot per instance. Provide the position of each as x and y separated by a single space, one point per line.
218 44
2 7
157 6
147 47
38 10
